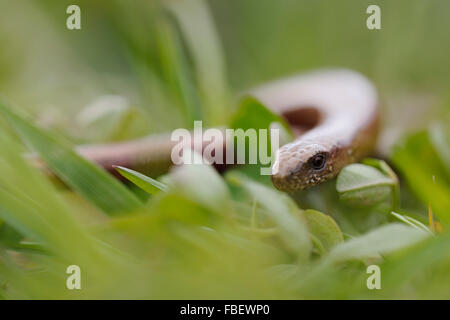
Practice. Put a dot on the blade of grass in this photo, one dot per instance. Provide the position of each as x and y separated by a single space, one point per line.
410 221
147 184
417 160
32 206
176 68
197 26
83 176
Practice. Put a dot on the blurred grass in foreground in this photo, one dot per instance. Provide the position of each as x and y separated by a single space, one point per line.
209 236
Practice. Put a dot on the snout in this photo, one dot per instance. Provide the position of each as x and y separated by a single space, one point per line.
285 172
287 183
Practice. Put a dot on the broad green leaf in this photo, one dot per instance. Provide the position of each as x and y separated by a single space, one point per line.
324 228
282 210
360 184
387 170
83 176
383 240
147 184
382 166
252 114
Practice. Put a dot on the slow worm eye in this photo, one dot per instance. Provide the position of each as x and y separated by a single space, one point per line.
318 162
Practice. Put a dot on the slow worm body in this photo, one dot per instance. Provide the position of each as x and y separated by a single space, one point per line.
334 113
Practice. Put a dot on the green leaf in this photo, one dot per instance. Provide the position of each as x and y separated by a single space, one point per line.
324 228
387 170
282 210
253 114
417 159
360 184
83 176
382 166
148 184
383 240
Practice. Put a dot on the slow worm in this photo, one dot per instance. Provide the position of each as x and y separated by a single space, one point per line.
334 112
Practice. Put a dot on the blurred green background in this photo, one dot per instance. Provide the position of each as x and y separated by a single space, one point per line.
140 67
127 49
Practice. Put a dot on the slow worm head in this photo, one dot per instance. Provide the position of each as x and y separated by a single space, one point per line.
335 113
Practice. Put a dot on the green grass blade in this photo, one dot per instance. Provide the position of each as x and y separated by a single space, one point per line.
411 221
176 69
147 184
203 43
417 160
80 174
31 206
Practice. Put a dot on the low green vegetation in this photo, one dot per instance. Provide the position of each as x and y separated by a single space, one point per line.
194 233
